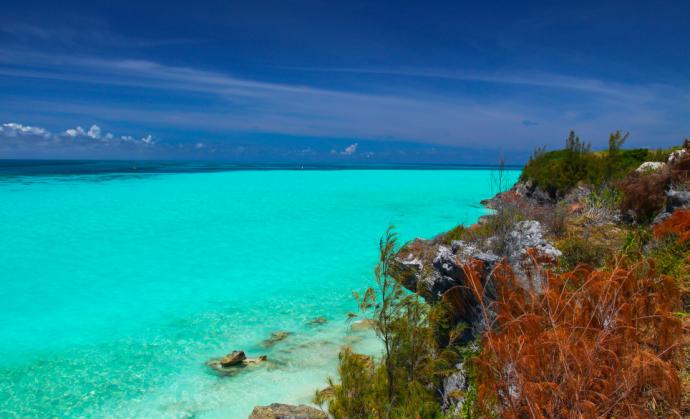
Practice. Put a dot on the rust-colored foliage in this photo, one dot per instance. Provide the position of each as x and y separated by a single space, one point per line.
644 195
680 169
586 343
677 225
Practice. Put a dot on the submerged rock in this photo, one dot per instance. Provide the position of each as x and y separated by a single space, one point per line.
286 411
275 338
317 321
362 325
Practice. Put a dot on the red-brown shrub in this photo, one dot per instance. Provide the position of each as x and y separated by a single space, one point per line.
677 225
644 196
592 343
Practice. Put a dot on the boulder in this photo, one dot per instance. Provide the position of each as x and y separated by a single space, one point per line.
232 359
234 362
286 411
650 167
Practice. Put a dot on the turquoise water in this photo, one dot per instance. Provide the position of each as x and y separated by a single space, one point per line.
116 289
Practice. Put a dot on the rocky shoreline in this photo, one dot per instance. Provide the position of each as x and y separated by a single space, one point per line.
435 268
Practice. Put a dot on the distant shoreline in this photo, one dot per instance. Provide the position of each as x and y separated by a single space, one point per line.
98 167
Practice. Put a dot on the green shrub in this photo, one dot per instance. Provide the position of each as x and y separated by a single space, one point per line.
577 250
557 172
459 232
405 381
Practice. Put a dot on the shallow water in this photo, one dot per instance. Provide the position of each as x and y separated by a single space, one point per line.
116 289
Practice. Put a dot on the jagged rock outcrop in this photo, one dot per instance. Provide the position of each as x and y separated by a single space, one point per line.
432 268
436 270
286 411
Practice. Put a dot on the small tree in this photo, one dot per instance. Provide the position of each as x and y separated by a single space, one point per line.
616 140
405 381
499 179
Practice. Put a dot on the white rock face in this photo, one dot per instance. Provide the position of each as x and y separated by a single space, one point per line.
677 155
650 166
529 235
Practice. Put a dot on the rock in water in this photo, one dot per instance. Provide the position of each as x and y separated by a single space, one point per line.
286 411
229 365
232 359
362 325
317 321
275 338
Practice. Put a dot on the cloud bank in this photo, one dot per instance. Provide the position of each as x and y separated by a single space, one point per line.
204 102
30 141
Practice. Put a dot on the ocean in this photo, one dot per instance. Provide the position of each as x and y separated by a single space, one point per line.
118 281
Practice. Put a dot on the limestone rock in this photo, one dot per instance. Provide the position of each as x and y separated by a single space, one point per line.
452 393
677 156
650 167
529 235
286 411
233 358
234 362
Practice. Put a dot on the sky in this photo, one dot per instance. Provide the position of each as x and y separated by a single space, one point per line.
338 81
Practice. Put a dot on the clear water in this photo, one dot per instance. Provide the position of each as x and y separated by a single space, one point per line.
116 289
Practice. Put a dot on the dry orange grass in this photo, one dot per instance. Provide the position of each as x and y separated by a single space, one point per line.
593 343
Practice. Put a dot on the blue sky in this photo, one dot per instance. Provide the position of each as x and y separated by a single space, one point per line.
338 81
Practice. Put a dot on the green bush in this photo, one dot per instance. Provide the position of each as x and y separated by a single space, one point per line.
405 381
580 251
557 172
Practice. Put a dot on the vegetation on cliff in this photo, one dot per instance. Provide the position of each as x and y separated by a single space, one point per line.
558 172
595 327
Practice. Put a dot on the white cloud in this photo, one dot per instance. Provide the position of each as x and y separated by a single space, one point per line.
27 138
148 140
75 132
13 129
94 132
350 150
